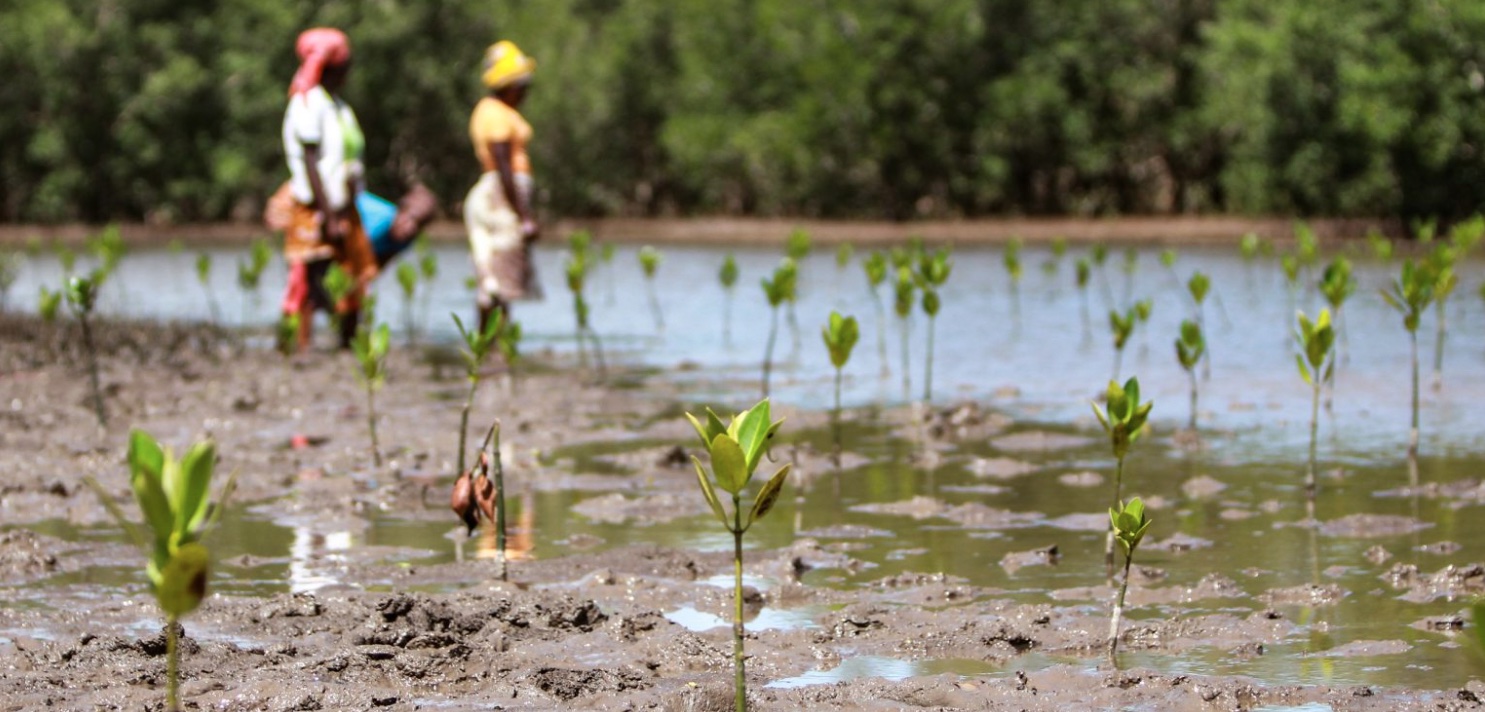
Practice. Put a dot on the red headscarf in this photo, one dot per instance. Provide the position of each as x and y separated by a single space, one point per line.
318 48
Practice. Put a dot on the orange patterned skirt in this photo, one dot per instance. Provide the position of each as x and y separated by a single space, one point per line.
304 243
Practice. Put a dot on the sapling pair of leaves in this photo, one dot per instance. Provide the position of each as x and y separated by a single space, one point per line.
82 297
649 262
1316 362
203 275
1198 287
1123 418
840 335
579 265
727 275
250 271
735 449
1191 347
1410 294
875 266
933 271
1128 524
173 495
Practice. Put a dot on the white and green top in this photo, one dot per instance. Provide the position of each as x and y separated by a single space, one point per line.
315 117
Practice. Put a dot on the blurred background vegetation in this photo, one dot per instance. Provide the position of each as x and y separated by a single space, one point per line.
169 110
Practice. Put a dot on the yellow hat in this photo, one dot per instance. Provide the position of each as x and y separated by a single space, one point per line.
505 65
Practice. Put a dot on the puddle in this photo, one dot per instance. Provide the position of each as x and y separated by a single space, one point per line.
891 669
1308 707
768 618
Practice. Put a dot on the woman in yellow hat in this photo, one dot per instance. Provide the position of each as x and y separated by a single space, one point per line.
497 211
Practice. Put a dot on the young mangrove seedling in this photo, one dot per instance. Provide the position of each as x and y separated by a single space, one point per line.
1128 523
47 303
1381 246
370 347
843 254
1441 264
428 269
1337 284
579 266
338 285
1123 418
777 289
1189 350
840 337
903 306
1083 273
1306 246
1012 260
173 495
1248 247
875 266
649 261
82 297
1425 230
286 334
66 259
1131 265
1100 256
1198 287
606 253
728 277
407 282
933 271
1059 250
1316 361
250 273
797 247
735 449
1410 294
476 348
203 275
1122 327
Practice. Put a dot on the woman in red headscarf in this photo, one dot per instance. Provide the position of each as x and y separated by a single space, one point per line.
324 146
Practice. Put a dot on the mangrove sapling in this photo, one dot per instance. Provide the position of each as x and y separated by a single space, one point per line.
476 493
606 253
1122 326
476 348
1381 246
47 302
1100 256
1337 284
1128 524
173 495
735 449
840 337
1142 309
649 261
407 282
1123 418
1190 348
933 271
427 268
1410 294
1083 273
67 259
1316 361
578 267
798 246
843 254
1290 265
82 297
1012 260
203 275
370 347
727 275
875 266
1059 250
1441 264
903 306
286 334
1198 287
250 273
338 285
1131 265
776 289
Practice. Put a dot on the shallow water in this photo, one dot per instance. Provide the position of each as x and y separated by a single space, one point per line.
1029 358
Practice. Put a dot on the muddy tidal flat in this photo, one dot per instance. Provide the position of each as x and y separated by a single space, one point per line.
342 586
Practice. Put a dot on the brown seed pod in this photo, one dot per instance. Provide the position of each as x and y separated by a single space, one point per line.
462 502
484 494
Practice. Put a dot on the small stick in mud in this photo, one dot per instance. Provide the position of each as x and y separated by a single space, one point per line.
1128 523
735 449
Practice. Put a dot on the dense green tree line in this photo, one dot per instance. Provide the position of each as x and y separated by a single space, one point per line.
170 109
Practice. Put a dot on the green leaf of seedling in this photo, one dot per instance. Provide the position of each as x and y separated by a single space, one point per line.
192 489
145 452
930 301
1102 418
769 495
182 580
1304 370
149 492
752 433
1132 391
709 493
729 465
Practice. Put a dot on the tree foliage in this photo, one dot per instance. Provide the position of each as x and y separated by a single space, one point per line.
143 109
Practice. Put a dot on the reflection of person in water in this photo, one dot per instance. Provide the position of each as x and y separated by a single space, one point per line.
520 540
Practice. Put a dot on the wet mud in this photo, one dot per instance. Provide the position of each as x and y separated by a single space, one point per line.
607 625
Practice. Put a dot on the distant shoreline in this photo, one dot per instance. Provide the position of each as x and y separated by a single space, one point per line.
1174 230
